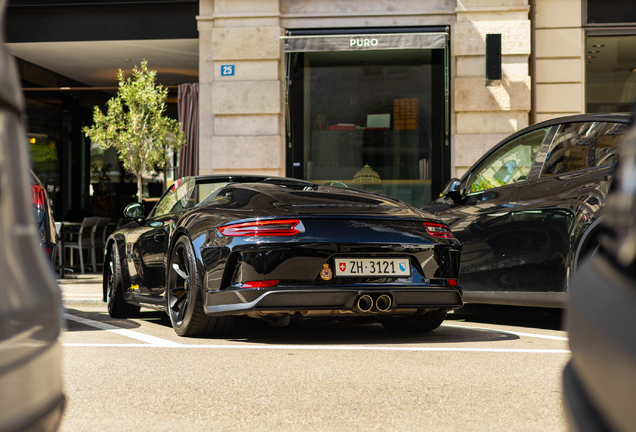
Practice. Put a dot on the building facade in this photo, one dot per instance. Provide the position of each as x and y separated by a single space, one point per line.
321 89
391 95
259 119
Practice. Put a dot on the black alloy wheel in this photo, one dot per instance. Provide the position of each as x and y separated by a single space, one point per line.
183 296
425 322
117 306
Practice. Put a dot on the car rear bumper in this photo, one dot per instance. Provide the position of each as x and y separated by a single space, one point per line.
234 302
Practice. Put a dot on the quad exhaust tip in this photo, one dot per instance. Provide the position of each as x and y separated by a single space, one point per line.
382 303
365 303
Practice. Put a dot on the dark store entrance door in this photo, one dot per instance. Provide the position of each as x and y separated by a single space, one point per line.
370 111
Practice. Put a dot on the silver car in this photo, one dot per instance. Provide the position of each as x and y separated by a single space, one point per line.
31 396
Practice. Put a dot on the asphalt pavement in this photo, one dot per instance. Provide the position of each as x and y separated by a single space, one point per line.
483 369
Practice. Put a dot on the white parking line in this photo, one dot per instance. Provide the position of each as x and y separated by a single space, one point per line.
532 335
155 341
328 348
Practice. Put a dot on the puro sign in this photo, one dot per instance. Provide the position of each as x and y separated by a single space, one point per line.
363 42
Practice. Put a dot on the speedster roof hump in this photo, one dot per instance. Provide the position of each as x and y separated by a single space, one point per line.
303 201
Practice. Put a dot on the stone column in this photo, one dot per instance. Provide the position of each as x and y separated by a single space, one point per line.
485 113
559 64
241 122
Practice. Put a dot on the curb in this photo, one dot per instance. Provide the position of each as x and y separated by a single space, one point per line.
83 301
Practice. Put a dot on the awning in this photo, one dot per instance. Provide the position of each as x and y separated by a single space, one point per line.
364 42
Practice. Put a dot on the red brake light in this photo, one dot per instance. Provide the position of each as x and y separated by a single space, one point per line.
438 230
451 282
38 196
287 227
260 284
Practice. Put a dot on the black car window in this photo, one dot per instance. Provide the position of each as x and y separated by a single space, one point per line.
583 145
511 163
206 190
176 198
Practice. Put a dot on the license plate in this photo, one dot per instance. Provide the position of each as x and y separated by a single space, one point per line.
353 267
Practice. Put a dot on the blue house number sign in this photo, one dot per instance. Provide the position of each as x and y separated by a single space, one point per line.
227 70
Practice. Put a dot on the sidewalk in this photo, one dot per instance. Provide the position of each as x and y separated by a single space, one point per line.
82 289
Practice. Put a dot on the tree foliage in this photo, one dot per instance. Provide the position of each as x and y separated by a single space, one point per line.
134 124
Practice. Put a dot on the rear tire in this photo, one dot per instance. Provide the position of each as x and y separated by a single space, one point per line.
183 296
426 322
117 306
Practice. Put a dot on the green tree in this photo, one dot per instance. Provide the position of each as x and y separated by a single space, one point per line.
135 126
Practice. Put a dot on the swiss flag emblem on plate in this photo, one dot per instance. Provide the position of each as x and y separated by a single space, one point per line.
343 266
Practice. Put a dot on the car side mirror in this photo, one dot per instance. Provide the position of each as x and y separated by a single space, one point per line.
135 211
451 190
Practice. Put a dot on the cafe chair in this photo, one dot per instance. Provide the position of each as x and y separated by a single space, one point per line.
58 237
82 240
99 240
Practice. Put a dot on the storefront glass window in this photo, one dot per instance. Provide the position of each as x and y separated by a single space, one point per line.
367 120
610 73
44 156
610 11
47 142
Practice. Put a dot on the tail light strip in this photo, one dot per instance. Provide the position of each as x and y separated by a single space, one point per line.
286 227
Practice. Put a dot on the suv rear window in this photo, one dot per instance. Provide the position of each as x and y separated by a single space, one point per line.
578 146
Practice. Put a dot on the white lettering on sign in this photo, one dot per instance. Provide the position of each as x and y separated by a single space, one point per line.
227 70
363 42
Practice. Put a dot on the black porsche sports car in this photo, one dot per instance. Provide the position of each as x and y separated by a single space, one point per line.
278 249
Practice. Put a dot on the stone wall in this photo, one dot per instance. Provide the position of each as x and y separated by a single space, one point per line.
485 113
241 122
559 59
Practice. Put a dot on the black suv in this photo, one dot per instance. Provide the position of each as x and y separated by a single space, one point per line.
528 210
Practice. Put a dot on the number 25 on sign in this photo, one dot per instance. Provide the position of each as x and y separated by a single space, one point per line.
227 70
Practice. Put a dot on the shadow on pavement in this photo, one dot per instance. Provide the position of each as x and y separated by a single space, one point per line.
249 330
103 317
529 317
